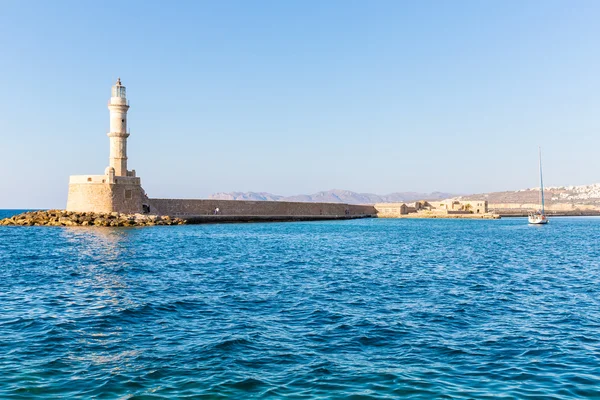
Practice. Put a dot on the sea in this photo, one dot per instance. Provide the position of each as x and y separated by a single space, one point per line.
361 309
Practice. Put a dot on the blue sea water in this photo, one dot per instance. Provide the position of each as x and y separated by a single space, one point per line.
344 309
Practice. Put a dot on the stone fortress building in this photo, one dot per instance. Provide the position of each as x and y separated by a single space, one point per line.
433 208
120 190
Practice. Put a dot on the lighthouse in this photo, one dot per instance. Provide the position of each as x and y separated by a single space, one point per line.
118 190
118 107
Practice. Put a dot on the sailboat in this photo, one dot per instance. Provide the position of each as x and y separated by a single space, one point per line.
539 217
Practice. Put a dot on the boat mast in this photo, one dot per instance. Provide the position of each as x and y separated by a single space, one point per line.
541 180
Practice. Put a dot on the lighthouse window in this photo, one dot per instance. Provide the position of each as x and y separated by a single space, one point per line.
128 194
122 120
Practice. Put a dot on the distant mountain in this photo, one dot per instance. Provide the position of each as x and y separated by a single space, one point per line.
335 196
262 196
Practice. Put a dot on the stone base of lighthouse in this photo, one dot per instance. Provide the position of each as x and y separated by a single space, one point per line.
106 194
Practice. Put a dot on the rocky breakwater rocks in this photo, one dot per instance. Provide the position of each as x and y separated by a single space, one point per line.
71 218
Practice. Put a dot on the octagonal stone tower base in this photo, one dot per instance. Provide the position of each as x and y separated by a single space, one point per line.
100 193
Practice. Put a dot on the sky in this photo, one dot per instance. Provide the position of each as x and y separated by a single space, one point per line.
292 97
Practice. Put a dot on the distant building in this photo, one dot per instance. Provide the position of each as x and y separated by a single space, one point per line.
391 209
422 205
472 206
449 206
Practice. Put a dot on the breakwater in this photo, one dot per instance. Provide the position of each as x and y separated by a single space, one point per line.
186 208
179 212
71 218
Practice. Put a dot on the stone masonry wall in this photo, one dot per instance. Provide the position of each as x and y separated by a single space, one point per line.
94 197
128 198
179 207
105 198
391 209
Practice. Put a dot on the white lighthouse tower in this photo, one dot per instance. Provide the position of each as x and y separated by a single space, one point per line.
118 134
118 189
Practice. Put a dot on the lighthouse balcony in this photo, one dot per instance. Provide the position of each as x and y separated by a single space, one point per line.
118 101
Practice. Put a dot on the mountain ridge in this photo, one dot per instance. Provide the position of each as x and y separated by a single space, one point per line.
335 196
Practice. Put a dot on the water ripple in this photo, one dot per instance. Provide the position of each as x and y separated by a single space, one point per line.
369 309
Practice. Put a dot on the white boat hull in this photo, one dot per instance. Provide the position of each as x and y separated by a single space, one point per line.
538 219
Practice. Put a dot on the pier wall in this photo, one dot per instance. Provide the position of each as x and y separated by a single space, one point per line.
184 207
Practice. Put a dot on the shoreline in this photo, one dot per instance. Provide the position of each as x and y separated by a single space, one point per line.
575 213
441 216
74 219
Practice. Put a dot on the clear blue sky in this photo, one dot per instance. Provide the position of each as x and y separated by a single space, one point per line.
299 96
